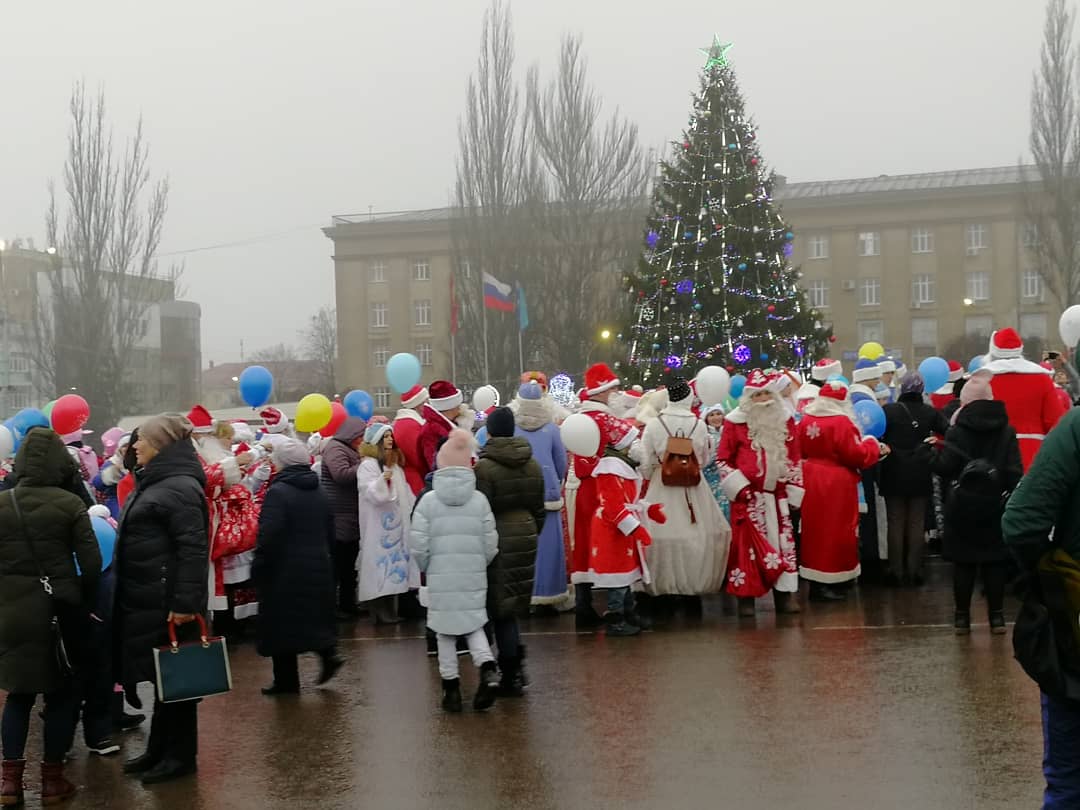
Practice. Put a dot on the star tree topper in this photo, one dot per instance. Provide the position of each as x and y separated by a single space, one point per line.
717 53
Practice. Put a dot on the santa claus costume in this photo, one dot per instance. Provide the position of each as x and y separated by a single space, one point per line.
823 369
833 456
761 476
234 520
1027 389
946 394
442 413
407 426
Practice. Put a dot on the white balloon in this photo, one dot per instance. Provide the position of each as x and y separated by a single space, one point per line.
581 435
7 442
1069 326
486 396
713 385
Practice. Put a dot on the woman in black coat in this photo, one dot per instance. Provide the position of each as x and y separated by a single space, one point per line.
905 477
293 572
973 537
161 562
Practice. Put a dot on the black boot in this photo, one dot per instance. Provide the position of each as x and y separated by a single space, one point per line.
962 623
997 623
635 616
585 615
331 663
693 607
823 593
509 680
451 695
523 675
488 688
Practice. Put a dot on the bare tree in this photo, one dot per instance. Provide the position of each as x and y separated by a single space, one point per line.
320 349
93 308
1054 209
594 179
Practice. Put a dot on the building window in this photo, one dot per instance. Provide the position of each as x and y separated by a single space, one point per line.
979 325
18 364
924 336
380 355
18 399
421 270
465 268
978 286
871 331
869 293
422 311
380 314
922 289
977 239
1032 284
382 397
1033 326
423 353
869 243
922 240
819 247
377 272
1029 235
819 294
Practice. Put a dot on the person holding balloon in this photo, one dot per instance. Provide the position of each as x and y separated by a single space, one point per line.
833 456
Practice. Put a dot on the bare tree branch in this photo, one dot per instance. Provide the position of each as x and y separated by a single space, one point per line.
320 349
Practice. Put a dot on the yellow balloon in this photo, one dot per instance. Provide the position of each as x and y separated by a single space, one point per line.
871 350
313 413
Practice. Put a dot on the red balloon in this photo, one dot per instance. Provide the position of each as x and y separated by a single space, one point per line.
832 338
70 413
338 415
771 308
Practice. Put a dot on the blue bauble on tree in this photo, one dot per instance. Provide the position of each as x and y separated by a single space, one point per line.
789 236
732 146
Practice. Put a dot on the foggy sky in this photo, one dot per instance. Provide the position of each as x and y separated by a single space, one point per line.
271 116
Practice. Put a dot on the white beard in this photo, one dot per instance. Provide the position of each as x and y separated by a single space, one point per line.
767 424
466 419
210 449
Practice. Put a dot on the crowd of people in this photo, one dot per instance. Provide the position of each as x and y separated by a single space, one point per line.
472 521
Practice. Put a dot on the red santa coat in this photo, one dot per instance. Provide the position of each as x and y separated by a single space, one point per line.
833 454
433 432
585 500
234 526
407 426
617 537
939 401
762 554
1031 402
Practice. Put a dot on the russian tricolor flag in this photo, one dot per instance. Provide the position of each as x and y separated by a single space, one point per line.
497 295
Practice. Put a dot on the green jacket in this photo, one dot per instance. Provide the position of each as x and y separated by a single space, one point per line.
513 482
1048 498
57 525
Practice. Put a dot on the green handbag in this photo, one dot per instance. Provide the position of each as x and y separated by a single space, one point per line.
192 671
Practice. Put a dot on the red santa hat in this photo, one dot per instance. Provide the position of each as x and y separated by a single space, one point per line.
823 369
414 397
834 389
201 420
274 421
619 433
956 371
1005 344
444 396
756 381
599 378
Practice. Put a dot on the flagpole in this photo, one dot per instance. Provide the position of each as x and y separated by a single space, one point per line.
483 309
521 357
453 357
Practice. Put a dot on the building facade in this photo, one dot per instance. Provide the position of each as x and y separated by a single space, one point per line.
925 264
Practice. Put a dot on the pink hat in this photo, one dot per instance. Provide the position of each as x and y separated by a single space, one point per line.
977 387
457 450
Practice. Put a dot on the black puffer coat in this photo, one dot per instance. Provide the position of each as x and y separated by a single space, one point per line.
973 523
57 525
338 478
162 558
292 572
513 482
908 423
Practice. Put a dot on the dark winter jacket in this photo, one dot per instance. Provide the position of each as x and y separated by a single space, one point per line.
973 522
513 482
292 572
908 423
162 558
1048 498
58 528
338 478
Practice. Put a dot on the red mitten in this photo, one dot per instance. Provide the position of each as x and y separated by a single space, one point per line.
656 513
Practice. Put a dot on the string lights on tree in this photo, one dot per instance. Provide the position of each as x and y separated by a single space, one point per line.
714 285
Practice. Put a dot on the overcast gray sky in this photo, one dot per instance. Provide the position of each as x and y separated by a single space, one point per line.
271 116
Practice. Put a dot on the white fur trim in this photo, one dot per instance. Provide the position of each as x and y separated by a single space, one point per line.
554 506
590 405
734 483
624 580
612 383
1016 365
736 417
408 413
416 400
795 495
628 524
826 406
246 611
886 366
446 403
822 373
808 391
945 390
610 465
828 577
862 374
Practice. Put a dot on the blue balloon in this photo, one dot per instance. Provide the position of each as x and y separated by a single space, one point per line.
256 386
976 363
402 371
482 436
871 418
935 373
738 383
359 404
16 434
29 418
839 378
106 537
859 396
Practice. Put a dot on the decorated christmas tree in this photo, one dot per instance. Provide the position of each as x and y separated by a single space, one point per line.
714 284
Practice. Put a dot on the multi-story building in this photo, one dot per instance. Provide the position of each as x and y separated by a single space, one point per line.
19 269
925 264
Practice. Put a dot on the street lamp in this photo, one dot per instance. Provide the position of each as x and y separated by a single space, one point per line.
604 336
968 302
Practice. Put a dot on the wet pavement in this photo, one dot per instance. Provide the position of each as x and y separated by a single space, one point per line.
874 703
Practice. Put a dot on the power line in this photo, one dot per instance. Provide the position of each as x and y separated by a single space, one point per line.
266 237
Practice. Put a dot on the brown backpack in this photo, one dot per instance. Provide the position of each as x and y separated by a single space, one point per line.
679 465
